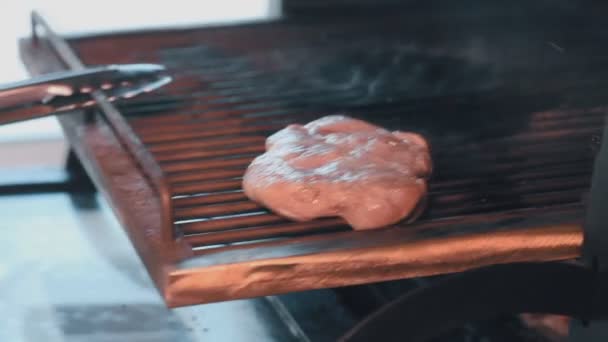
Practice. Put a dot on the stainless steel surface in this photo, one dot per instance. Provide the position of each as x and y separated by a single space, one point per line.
65 91
70 274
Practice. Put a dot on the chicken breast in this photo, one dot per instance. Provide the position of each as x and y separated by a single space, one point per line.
554 327
340 166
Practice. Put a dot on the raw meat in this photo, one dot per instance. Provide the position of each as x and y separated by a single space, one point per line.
339 166
554 327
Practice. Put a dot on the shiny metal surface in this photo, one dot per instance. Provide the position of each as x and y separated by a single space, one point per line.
513 139
70 274
59 56
62 92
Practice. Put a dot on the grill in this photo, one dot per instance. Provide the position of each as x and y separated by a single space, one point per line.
513 121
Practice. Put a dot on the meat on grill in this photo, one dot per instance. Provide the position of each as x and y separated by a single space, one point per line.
340 166
555 327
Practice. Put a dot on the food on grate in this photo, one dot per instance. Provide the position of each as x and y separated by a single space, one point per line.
555 327
339 166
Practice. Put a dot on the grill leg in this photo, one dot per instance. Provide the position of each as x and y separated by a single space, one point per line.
81 188
79 180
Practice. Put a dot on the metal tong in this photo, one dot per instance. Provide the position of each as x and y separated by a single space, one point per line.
64 92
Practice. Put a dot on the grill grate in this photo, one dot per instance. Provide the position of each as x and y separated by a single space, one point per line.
494 148
514 124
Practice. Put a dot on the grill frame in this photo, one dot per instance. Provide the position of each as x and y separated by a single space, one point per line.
121 169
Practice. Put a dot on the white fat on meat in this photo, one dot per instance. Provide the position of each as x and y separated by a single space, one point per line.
340 166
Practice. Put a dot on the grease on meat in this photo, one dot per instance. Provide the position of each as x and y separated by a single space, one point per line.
340 166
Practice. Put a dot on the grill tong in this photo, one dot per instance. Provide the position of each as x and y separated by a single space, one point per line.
64 92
